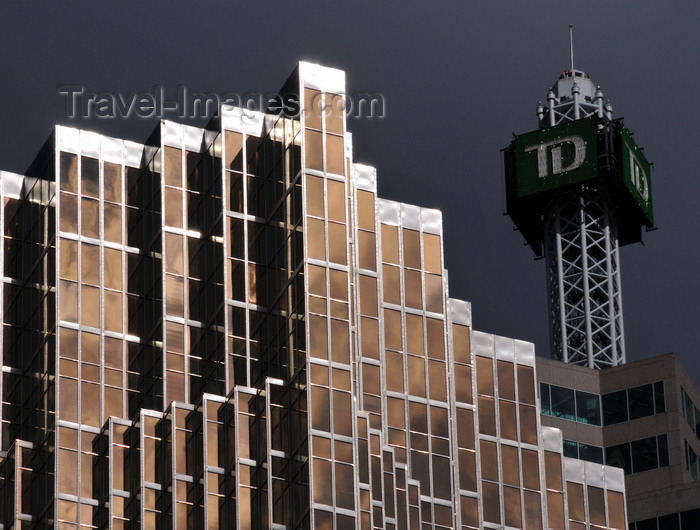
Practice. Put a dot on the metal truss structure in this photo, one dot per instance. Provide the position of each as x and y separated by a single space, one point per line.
583 276
581 246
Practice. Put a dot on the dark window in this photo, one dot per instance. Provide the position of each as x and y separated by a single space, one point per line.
615 407
670 522
619 456
662 442
570 449
544 399
659 398
590 453
563 403
644 455
691 462
587 408
641 401
690 519
647 524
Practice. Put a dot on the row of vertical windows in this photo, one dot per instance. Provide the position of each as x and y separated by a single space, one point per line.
634 403
640 455
687 520
570 404
590 453
623 405
690 413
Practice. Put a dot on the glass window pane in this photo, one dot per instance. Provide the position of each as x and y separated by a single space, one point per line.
390 244
394 371
662 444
315 238
484 375
367 250
340 336
491 502
335 112
370 338
531 469
433 293
234 147
365 210
555 510
173 166
413 289
90 306
526 384
462 349
511 469
335 156
314 196
619 456
90 176
487 416
416 375
563 403
533 509
546 407
392 329
641 401
616 513
113 311
314 150
506 380
368 296
411 249
509 424
587 408
69 213
113 269
432 253
659 400
391 284
90 264
570 448
553 470
596 506
438 385
591 453
113 222
69 172
172 210
644 455
337 243
112 182
414 334
511 503
318 337
90 220
614 407
69 259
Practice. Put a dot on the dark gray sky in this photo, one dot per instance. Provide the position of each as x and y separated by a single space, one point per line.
458 79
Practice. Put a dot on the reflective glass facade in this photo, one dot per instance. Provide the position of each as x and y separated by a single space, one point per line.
228 328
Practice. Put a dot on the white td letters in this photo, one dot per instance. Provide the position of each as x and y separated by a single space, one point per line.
557 161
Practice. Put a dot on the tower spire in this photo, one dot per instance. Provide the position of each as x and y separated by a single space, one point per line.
571 45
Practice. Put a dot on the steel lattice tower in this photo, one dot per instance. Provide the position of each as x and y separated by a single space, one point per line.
578 188
581 246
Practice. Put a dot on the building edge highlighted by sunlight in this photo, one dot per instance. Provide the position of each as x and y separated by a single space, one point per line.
227 328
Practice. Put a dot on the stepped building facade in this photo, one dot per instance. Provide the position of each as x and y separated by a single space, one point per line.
227 328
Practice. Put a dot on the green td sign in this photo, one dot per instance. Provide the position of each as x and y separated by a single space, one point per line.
636 174
556 157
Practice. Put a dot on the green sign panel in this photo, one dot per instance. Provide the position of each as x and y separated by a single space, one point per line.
636 174
557 156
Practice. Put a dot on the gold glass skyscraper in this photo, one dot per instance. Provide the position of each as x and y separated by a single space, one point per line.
227 328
